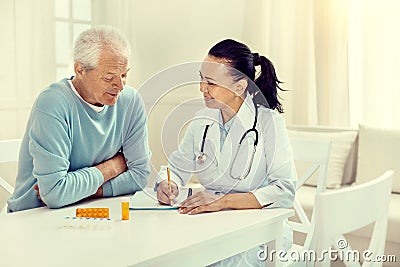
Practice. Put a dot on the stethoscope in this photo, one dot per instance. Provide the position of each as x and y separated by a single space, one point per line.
202 157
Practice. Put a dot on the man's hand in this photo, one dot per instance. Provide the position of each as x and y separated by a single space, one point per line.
99 193
36 187
112 167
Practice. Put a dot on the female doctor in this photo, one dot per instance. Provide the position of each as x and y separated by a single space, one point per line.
238 145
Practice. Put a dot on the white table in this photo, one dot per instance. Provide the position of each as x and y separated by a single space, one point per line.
43 237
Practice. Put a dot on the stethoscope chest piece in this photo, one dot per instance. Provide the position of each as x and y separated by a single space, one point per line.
201 158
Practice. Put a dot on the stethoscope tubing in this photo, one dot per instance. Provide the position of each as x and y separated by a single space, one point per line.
202 157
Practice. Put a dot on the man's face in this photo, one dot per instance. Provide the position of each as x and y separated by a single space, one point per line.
102 85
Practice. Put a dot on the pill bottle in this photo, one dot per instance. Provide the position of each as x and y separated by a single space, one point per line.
125 208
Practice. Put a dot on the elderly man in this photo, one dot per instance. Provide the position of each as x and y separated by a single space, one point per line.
86 136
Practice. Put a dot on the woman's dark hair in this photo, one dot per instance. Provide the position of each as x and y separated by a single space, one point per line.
240 58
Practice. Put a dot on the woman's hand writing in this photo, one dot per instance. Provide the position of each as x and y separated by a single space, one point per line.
164 195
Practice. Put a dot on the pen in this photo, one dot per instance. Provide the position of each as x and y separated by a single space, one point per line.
171 202
190 191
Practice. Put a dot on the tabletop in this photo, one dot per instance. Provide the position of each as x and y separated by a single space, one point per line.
51 237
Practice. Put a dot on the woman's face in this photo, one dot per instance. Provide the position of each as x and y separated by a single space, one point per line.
217 85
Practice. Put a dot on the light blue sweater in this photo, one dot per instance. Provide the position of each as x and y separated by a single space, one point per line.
64 138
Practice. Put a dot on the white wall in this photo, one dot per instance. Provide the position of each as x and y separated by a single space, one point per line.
26 52
165 33
10 109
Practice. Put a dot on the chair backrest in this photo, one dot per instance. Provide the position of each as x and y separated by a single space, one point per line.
348 209
9 152
317 153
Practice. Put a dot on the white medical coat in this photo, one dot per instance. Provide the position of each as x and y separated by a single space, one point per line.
272 178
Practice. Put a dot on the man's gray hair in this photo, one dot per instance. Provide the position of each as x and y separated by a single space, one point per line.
90 43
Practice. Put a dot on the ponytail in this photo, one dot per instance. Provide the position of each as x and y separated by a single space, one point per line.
241 59
268 83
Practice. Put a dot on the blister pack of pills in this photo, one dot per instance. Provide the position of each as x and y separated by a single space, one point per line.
92 212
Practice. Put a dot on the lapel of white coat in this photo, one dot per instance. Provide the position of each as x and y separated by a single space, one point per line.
244 120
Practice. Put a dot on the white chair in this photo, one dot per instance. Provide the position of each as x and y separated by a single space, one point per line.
9 152
348 209
317 154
